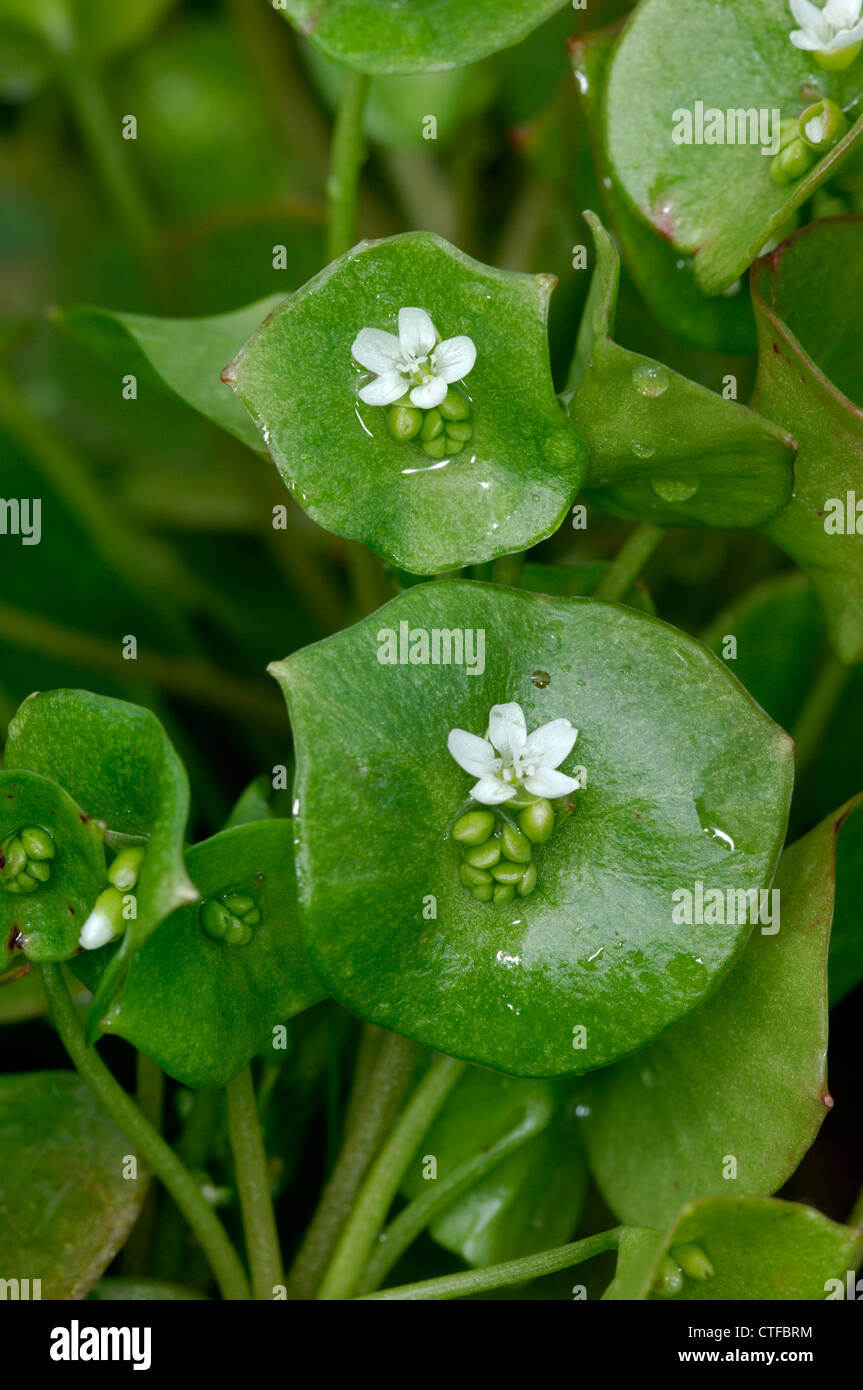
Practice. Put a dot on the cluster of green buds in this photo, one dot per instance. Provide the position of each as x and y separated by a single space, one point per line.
497 851
115 905
681 1263
803 140
231 918
443 431
25 859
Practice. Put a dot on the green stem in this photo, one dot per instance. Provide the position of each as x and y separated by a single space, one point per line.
440 1194
346 157
856 1217
253 1187
150 1095
817 711
371 1110
504 1275
382 1183
193 1149
629 562
109 153
161 1159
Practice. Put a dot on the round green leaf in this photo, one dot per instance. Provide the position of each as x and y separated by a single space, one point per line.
663 448
680 765
115 760
188 354
203 1007
810 382
718 201
46 921
512 483
744 1075
65 1206
759 1249
424 36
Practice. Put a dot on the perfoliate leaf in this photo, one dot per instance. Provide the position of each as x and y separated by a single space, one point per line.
686 779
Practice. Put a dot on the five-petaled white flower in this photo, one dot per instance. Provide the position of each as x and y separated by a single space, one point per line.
829 30
509 758
416 360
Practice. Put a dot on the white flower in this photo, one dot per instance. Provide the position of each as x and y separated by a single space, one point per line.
509 758
416 359
829 30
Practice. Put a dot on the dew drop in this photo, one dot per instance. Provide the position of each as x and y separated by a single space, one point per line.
650 379
582 1111
643 451
540 679
675 489
720 836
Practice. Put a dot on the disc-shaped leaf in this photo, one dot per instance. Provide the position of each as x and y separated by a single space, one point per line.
532 1199
757 1247
744 1075
44 918
664 279
686 779
663 448
66 1207
116 762
203 1007
507 487
389 36
710 87
188 354
810 382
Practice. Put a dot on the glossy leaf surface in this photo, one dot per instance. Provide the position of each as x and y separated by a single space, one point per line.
203 1007
508 488
65 1206
663 448
680 765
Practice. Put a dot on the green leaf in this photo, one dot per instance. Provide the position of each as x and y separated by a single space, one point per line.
663 448
845 968
664 279
565 581
188 354
508 488
810 382
531 1200
716 202
380 36
45 921
67 1208
115 760
676 758
742 1078
759 1249
203 1007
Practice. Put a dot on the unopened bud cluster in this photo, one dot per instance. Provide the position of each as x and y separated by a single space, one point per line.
231 918
682 1262
25 859
802 141
497 861
115 905
442 431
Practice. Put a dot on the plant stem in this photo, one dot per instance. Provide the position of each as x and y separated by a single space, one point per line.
818 709
440 1194
346 157
250 1169
382 1183
504 1275
856 1217
629 562
150 1095
192 1148
161 1159
371 1110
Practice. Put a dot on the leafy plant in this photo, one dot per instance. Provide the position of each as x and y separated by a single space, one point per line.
520 940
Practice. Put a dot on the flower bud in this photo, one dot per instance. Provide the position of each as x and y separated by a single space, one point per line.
123 873
527 882
432 426
483 856
454 406
822 125
516 846
105 922
669 1279
473 828
503 894
537 821
37 843
507 872
791 163
692 1261
483 892
405 422
473 878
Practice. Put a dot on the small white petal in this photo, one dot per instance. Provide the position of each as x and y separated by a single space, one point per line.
97 931
454 358
416 332
384 390
842 14
474 754
550 744
376 350
491 791
506 728
547 782
430 394
806 42
807 15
